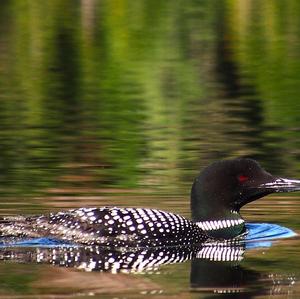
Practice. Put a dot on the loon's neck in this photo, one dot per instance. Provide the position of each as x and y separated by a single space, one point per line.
212 225
211 216
229 226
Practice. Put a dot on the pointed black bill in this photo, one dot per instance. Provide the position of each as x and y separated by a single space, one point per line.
281 185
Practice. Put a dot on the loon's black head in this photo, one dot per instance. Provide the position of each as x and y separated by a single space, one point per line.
224 187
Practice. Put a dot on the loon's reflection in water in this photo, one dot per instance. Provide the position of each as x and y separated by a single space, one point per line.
232 278
215 268
135 260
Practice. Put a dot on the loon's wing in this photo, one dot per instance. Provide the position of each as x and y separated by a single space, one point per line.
18 227
111 226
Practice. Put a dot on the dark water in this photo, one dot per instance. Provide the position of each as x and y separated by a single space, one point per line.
122 102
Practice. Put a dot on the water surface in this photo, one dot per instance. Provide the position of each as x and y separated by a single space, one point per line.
123 102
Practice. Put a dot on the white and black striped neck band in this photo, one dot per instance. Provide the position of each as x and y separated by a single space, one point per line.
219 224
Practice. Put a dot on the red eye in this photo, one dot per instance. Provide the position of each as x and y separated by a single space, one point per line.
242 178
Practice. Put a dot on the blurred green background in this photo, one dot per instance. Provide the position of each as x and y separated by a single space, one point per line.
139 95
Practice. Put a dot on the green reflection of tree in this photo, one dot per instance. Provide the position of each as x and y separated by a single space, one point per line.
97 84
17 280
266 38
131 93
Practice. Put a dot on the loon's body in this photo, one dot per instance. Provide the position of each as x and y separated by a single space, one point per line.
217 195
109 226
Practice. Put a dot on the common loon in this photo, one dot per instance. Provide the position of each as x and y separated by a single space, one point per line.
217 195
